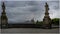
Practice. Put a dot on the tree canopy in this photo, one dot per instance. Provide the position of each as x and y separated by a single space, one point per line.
55 21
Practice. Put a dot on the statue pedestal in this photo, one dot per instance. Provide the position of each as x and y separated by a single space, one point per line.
4 26
47 26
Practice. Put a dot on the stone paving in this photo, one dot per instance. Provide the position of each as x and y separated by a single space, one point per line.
29 30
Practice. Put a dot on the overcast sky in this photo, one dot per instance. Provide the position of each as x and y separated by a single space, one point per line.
20 11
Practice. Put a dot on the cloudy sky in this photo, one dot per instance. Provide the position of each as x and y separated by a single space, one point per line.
20 11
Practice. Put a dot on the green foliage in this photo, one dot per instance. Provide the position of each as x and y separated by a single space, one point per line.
55 21
39 23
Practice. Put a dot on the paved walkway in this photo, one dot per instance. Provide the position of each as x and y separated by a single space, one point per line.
29 30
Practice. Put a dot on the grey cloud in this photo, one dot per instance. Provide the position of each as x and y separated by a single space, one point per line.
54 4
18 11
15 3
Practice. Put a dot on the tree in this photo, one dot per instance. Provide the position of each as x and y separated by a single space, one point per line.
55 21
39 23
